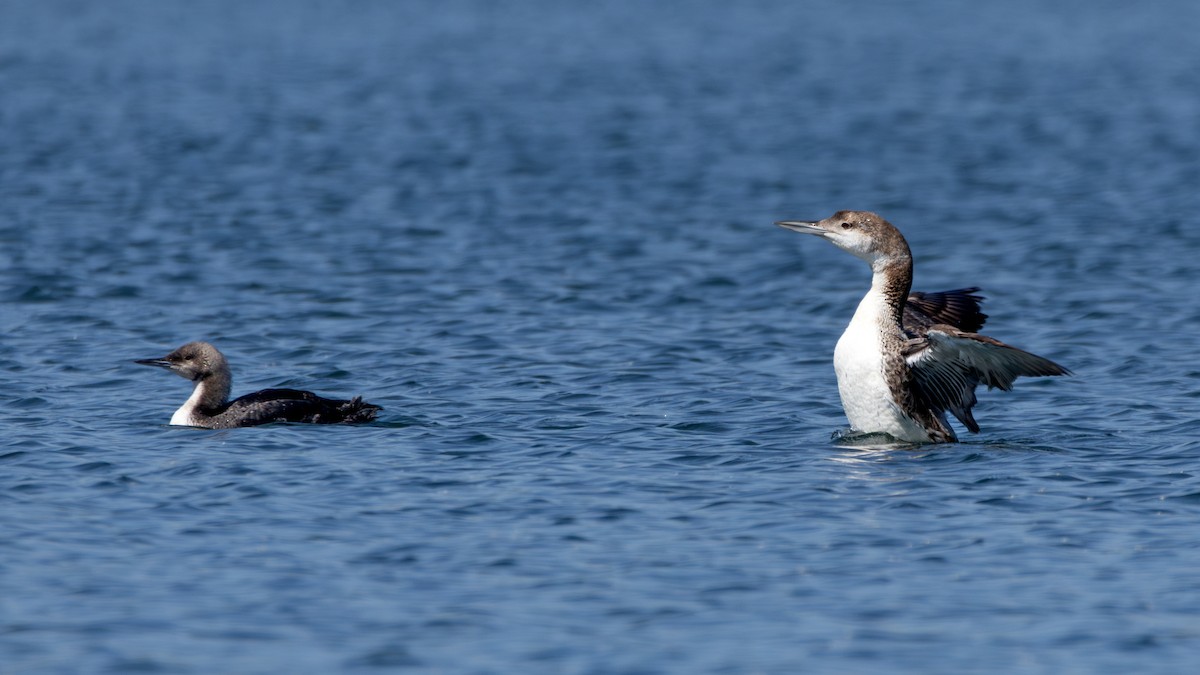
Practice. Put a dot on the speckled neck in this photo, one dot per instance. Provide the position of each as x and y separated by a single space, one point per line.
892 277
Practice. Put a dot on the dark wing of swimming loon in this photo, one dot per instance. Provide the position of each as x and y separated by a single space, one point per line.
293 405
947 364
958 308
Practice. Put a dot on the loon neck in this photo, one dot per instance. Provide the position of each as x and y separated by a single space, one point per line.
210 395
212 390
891 279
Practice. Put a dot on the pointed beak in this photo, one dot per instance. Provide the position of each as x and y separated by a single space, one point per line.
803 227
161 363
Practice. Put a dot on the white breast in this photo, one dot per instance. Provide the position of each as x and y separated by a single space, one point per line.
183 416
858 361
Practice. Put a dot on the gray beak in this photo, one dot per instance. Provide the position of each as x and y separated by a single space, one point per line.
161 363
802 226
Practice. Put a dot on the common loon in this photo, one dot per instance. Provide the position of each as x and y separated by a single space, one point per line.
209 405
906 359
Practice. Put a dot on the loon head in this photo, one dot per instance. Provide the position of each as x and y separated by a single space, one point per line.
194 361
864 234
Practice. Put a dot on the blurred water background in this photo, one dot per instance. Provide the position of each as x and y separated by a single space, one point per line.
540 235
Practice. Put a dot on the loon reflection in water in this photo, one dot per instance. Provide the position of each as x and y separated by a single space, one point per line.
906 359
209 405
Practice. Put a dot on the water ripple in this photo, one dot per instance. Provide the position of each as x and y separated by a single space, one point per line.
606 378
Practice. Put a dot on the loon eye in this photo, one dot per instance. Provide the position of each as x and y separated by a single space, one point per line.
846 226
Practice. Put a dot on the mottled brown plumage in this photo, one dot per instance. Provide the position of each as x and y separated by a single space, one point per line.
908 358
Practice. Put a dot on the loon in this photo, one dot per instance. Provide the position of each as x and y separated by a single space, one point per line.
908 358
209 405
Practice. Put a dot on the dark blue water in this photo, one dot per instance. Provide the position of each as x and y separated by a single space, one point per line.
539 234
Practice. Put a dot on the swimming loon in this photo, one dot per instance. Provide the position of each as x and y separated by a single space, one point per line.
209 405
906 359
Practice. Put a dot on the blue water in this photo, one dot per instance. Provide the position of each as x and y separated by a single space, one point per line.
539 234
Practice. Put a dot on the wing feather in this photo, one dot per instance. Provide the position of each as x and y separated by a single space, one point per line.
948 364
958 308
293 405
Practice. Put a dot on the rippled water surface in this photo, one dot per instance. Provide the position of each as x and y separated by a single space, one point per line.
539 234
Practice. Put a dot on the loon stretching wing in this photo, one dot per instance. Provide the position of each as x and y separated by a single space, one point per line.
908 358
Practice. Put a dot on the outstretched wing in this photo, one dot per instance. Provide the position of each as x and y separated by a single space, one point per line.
958 308
947 364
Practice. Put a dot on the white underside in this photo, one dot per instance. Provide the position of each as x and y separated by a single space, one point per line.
858 361
183 417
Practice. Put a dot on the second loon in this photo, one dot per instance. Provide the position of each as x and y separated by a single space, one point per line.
209 405
906 359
